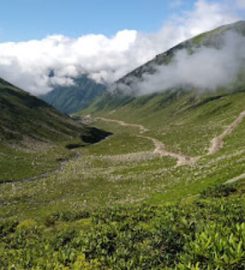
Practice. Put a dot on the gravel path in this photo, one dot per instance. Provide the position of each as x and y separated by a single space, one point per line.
218 142
159 146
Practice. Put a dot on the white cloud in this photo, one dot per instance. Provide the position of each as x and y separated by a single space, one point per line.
205 16
206 68
28 64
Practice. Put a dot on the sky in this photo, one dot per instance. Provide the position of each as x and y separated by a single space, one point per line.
33 19
103 38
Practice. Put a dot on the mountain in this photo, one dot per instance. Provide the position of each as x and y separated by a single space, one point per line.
34 136
122 92
23 115
71 99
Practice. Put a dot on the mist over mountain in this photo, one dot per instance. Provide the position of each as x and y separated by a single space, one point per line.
206 62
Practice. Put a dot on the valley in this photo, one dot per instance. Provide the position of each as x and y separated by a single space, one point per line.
130 187
131 166
133 181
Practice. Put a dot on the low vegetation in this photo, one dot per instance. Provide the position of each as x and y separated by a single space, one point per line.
207 232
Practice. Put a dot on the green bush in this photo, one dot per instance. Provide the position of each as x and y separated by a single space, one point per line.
219 191
208 233
216 247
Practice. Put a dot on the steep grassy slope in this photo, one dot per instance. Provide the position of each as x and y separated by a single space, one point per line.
71 99
33 135
24 115
211 39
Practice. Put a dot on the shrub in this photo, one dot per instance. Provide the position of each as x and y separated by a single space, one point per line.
219 191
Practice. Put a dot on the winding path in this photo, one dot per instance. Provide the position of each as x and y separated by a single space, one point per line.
160 149
235 179
124 124
218 142
159 146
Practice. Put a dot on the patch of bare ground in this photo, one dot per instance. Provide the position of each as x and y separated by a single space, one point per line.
235 179
218 142
124 124
162 152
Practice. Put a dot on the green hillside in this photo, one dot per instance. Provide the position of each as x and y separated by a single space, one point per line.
71 99
34 136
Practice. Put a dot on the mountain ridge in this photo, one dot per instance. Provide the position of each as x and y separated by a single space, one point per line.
203 39
71 99
117 96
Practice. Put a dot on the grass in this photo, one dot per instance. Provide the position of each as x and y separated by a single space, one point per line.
122 169
99 179
17 164
166 114
34 137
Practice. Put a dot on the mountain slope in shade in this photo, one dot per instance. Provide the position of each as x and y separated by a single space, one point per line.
71 99
34 137
23 115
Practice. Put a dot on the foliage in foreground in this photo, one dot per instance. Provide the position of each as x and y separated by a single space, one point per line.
208 233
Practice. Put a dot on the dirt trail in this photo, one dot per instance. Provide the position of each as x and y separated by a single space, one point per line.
161 151
159 146
124 124
235 179
218 142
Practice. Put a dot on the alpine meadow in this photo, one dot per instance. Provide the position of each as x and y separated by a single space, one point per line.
136 166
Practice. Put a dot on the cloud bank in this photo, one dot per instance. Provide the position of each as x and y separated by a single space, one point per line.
205 68
30 64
